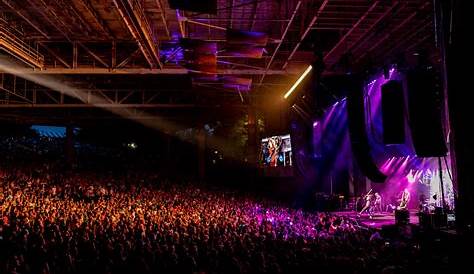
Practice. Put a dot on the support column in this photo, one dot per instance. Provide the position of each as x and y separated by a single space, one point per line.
455 44
252 144
201 154
168 146
69 147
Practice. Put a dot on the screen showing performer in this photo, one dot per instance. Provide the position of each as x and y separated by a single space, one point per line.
276 151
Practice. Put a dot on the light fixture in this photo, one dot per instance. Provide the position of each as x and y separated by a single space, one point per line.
298 81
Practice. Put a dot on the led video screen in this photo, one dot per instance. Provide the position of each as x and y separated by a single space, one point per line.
276 151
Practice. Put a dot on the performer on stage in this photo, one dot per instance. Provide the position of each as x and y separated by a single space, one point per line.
368 201
404 200
423 204
392 204
378 202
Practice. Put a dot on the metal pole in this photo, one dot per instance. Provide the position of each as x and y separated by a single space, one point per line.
441 183
203 24
330 178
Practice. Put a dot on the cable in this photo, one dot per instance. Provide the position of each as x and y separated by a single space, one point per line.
447 168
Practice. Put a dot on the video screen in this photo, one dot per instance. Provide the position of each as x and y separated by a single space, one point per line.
276 151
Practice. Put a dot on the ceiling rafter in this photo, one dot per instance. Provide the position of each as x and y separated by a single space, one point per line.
335 27
283 36
86 5
134 18
54 54
389 34
350 31
163 17
305 33
12 5
95 56
18 48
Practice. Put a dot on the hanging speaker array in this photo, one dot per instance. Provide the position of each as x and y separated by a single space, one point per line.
393 117
425 113
357 131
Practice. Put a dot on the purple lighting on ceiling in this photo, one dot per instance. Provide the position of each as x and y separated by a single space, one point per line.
412 177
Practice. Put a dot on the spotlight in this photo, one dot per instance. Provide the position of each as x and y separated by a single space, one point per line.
298 81
411 178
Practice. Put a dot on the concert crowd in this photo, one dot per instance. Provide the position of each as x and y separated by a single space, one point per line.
53 221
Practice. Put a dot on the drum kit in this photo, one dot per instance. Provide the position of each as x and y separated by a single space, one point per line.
426 206
431 207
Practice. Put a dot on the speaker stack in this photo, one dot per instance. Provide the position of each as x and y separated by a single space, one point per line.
357 131
393 113
402 217
425 101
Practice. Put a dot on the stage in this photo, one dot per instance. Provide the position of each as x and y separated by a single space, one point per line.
378 220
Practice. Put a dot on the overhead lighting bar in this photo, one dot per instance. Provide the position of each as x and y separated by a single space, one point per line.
288 93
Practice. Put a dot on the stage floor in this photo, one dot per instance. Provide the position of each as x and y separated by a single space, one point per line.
378 220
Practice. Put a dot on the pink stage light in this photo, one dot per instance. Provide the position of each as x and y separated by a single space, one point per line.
411 177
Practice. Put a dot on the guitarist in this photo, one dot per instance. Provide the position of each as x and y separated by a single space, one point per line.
368 201
404 200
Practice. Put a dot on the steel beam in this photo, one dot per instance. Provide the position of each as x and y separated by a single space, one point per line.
55 55
53 19
414 33
386 36
95 56
147 71
281 42
254 15
16 94
95 16
231 13
349 32
102 105
113 58
25 17
363 37
134 18
305 33
128 59
13 90
243 4
74 55
19 48
163 17
202 24
118 106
